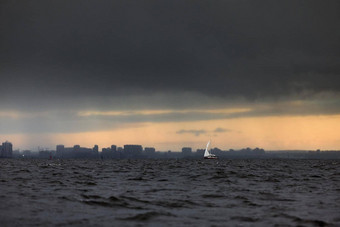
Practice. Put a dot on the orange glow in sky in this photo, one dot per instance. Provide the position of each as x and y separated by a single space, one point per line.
270 133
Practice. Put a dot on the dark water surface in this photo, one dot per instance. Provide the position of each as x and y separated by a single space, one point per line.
170 192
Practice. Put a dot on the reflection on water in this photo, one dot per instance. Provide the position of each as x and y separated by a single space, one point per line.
170 192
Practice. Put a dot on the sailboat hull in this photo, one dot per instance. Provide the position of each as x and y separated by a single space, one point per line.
210 157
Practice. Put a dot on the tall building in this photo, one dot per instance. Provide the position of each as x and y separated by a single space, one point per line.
60 151
95 149
6 150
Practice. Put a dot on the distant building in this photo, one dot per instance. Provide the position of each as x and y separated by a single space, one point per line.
186 151
133 151
95 149
106 150
76 147
76 152
133 148
110 152
6 150
16 153
151 150
120 149
107 153
113 148
45 154
200 152
60 149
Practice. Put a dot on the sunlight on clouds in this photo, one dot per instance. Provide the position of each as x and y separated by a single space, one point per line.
121 113
17 114
155 112
312 132
10 114
270 129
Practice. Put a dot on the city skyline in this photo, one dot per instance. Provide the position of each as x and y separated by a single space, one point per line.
117 148
171 74
134 151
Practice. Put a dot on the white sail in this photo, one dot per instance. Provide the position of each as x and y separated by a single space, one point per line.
206 152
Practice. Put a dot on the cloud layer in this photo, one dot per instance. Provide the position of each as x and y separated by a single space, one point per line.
75 120
62 49
178 61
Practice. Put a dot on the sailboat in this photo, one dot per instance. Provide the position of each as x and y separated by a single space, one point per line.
207 154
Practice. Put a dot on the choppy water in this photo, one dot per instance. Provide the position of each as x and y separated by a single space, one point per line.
170 192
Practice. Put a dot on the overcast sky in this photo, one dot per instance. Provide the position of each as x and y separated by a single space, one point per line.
82 66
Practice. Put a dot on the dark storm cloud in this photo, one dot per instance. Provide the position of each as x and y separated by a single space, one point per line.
70 50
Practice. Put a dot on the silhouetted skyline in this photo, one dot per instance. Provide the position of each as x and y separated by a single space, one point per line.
135 151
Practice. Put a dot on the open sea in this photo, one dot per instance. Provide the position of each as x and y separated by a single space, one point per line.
169 192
